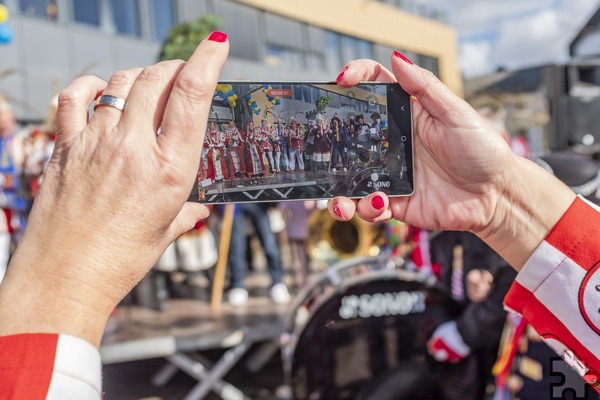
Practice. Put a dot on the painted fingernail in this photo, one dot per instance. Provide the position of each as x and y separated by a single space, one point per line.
402 57
377 202
338 211
218 36
341 75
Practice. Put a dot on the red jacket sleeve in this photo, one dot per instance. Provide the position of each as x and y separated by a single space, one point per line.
558 290
48 366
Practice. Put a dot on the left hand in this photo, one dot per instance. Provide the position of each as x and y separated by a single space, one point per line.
113 196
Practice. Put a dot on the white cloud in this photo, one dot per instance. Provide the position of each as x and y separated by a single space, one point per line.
475 58
530 40
518 33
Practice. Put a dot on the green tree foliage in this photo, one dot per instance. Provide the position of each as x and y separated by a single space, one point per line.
183 38
322 103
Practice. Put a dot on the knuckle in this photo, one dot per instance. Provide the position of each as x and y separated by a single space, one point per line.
121 78
153 75
71 96
192 88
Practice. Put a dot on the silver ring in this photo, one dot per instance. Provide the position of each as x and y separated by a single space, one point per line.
108 100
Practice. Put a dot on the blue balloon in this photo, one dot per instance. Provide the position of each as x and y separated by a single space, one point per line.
247 97
253 104
230 93
266 85
278 102
6 34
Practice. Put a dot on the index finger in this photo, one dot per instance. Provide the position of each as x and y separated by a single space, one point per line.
184 120
363 70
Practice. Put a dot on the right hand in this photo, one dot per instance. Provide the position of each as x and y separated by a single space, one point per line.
459 161
466 177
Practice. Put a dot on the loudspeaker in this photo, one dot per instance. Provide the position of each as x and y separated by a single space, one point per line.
583 119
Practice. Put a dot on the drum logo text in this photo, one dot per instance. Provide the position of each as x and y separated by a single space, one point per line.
382 304
376 183
379 184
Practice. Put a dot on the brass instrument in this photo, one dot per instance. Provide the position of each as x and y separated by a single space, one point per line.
330 240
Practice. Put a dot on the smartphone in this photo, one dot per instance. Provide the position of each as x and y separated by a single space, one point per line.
277 141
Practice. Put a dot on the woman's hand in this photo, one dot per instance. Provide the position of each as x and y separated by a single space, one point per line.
459 162
114 194
466 177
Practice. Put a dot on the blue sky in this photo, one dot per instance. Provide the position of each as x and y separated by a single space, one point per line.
514 33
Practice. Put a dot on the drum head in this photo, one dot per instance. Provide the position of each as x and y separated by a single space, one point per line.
362 332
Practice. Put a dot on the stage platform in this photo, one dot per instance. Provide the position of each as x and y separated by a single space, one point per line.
189 327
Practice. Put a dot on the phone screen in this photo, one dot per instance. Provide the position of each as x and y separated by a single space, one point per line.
276 141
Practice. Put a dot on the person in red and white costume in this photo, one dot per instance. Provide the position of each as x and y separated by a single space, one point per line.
468 179
217 166
61 288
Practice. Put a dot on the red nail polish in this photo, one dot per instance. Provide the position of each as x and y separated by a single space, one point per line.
217 36
341 75
338 211
377 202
402 57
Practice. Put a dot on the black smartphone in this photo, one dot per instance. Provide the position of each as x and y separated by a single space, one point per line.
276 141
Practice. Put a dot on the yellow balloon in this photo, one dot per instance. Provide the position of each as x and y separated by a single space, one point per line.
3 13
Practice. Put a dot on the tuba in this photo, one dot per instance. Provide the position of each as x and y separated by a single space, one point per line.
330 240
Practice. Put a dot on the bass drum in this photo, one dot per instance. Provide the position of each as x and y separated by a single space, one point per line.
360 332
358 157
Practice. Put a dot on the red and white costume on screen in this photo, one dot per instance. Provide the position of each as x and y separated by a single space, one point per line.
217 166
235 143
557 291
255 166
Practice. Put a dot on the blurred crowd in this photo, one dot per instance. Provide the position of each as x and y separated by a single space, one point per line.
24 153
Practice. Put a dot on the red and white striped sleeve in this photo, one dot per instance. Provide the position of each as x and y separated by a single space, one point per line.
48 366
558 290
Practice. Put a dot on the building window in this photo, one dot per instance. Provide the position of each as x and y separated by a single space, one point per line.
163 17
126 17
39 8
430 63
278 56
353 48
297 92
243 25
87 12
333 50
285 47
306 94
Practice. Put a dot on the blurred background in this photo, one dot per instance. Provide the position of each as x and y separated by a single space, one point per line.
533 65
537 54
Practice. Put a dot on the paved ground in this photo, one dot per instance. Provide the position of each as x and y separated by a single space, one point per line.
131 381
